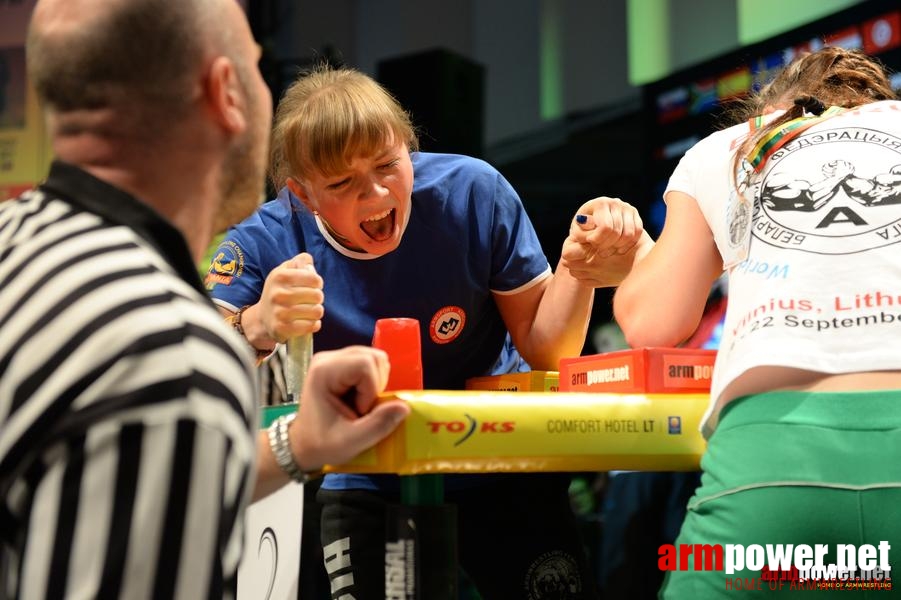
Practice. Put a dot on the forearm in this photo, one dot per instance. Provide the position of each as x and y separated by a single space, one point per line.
270 474
270 477
644 321
826 188
560 323
637 306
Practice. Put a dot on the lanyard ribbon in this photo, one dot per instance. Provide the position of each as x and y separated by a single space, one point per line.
779 137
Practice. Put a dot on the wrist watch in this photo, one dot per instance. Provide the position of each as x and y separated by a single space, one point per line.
280 444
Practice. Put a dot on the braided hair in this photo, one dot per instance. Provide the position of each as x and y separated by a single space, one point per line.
831 76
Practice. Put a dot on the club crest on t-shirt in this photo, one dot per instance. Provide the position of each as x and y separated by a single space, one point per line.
227 263
809 200
447 324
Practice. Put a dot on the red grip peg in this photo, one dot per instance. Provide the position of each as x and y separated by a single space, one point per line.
399 337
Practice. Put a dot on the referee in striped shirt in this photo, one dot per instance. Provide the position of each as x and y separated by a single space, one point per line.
128 442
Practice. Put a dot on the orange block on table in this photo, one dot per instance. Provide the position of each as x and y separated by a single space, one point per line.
531 381
639 370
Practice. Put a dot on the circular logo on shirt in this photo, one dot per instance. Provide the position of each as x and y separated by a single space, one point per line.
447 324
553 576
809 201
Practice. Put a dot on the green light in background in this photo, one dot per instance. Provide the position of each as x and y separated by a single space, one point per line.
761 19
550 62
649 40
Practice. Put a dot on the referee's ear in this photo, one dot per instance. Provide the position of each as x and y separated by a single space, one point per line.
225 97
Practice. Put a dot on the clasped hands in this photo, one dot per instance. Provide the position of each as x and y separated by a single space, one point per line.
601 251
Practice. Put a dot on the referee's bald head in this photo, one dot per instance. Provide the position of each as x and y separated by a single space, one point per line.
139 55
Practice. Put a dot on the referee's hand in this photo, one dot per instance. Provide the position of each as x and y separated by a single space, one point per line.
338 416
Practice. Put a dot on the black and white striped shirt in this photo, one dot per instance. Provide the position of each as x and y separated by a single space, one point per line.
127 406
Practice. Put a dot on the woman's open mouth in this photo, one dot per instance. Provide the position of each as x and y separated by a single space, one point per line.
380 227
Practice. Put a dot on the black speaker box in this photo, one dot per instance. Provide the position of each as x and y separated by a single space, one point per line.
444 93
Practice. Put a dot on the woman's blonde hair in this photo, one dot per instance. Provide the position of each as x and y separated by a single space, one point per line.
329 116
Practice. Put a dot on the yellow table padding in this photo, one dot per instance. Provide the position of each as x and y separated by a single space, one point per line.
486 431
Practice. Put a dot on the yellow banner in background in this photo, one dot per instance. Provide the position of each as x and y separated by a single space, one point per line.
25 151
481 431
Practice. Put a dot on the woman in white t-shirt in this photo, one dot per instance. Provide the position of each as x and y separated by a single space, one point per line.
800 204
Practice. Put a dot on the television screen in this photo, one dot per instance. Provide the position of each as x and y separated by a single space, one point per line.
684 107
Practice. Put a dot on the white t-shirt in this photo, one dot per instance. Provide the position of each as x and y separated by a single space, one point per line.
820 288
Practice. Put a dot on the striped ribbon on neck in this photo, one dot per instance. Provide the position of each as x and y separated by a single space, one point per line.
778 137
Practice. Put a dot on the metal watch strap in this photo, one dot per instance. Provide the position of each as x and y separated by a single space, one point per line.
280 444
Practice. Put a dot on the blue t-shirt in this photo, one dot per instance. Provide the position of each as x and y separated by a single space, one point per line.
468 236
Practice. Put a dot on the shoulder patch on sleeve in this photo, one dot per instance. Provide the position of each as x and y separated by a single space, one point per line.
226 264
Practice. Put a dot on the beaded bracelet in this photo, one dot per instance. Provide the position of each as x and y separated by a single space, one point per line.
235 321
